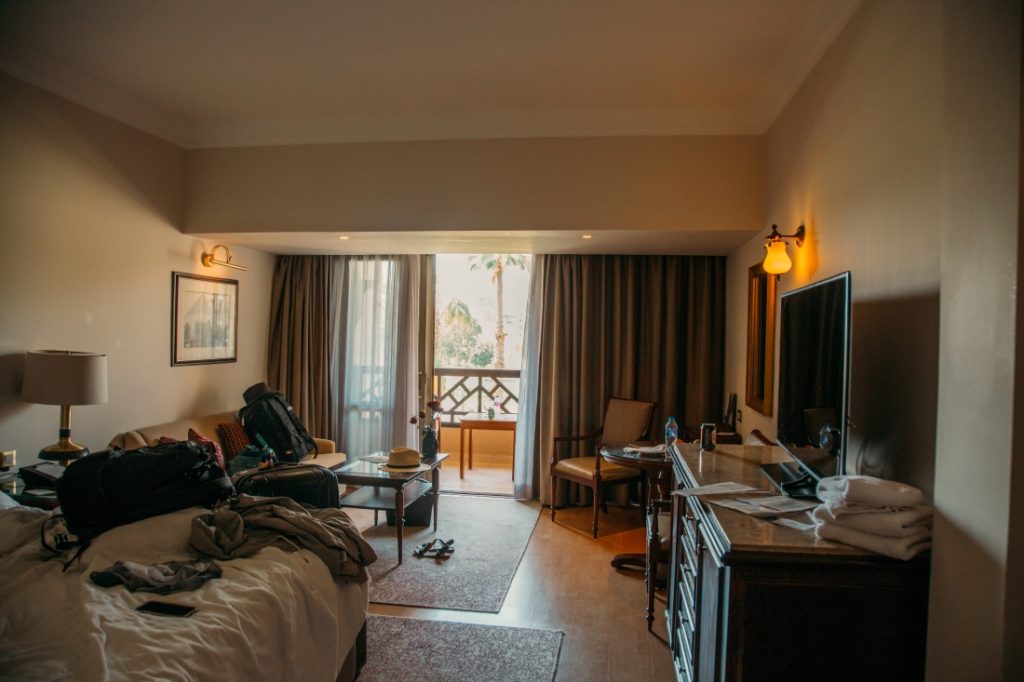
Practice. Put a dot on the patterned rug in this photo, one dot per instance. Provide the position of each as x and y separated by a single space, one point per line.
490 536
411 649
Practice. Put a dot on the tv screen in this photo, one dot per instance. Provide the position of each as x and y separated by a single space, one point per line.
814 360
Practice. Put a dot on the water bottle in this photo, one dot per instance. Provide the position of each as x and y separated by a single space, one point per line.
671 431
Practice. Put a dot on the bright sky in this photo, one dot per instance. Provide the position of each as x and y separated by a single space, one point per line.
474 287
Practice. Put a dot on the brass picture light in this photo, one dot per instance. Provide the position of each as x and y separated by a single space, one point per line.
209 260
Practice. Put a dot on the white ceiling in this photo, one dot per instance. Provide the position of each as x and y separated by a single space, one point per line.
205 73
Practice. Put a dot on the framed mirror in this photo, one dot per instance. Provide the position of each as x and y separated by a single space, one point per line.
760 339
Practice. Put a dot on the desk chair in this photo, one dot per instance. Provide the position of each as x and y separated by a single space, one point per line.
625 422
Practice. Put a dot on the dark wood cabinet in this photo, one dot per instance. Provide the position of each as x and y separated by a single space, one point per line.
750 600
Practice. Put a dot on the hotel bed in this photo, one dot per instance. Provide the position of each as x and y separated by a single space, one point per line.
273 616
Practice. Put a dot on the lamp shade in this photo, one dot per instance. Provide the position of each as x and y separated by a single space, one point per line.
776 260
64 377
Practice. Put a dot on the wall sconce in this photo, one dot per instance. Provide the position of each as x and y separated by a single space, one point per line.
776 260
209 261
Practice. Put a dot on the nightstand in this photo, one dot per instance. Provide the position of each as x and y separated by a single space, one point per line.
27 495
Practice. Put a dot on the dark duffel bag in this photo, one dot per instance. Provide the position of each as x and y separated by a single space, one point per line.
311 484
269 418
115 487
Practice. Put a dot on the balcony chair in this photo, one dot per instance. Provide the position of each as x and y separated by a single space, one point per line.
625 422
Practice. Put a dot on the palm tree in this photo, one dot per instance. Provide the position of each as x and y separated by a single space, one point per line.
496 264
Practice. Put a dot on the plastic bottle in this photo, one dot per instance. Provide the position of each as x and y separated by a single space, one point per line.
671 431
493 410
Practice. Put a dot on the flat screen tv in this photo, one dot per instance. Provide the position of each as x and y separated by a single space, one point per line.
814 371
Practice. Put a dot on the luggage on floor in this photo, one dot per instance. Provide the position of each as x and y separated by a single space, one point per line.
115 487
268 417
311 484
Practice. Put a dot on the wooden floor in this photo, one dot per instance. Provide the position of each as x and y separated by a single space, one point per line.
565 582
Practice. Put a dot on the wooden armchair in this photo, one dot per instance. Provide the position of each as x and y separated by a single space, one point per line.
625 422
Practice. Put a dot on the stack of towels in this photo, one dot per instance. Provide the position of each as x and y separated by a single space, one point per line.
871 513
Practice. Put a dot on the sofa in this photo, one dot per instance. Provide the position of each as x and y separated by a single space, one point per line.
206 425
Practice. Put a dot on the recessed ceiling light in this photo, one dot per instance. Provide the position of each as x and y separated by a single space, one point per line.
343 237
588 236
508 234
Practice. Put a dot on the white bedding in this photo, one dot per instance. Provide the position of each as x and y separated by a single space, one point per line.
273 616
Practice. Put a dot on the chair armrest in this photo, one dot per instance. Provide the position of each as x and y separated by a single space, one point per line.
569 439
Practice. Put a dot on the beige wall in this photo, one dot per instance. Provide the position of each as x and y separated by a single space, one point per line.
980 272
705 182
89 215
899 156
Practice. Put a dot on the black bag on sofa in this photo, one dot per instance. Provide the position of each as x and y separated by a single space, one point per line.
269 417
311 484
115 487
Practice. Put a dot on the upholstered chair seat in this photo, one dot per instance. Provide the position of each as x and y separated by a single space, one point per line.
584 466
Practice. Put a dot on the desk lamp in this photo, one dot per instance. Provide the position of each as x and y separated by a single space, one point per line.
65 378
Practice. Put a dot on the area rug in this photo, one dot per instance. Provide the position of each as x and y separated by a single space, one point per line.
412 649
490 536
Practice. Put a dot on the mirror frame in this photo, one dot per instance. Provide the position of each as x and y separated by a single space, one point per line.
760 339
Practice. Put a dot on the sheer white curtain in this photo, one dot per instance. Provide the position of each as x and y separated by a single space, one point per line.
376 351
526 471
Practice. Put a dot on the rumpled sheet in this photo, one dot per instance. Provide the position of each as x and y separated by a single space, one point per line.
274 616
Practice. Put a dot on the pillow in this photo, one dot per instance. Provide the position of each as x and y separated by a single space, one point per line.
163 440
203 440
233 437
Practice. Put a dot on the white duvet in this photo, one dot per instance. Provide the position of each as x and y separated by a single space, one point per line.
273 616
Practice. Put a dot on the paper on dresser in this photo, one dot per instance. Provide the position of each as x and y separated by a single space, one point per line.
765 507
725 487
793 523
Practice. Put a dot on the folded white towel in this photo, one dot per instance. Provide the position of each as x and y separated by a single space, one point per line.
898 523
838 490
897 548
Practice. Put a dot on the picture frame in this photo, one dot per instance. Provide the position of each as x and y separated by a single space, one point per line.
204 319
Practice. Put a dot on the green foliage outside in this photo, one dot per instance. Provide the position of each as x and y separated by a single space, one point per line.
457 338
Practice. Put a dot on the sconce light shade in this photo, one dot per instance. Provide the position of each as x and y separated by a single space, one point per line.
776 260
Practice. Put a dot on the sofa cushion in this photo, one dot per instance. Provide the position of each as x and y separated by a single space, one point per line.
203 440
233 437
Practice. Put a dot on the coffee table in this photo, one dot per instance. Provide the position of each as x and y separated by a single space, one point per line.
389 490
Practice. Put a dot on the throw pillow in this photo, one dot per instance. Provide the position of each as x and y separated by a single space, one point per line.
203 440
233 437
166 439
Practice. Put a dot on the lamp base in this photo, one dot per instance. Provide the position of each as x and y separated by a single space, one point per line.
64 451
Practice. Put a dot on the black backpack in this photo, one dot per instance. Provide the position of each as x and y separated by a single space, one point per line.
115 487
269 417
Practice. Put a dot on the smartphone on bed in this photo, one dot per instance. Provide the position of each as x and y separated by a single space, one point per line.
165 608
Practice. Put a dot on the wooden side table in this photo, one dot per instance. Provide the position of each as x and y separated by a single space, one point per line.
469 422
657 470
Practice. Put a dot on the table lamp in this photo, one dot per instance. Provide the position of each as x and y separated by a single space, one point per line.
65 378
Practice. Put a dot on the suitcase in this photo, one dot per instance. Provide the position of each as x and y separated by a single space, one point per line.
310 484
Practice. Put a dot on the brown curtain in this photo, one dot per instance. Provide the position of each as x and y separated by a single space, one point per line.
638 327
299 349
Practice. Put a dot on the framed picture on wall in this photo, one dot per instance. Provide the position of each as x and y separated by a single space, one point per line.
204 319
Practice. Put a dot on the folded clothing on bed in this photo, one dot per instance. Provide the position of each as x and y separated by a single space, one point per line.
247 524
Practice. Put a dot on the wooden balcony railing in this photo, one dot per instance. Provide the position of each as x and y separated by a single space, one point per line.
467 390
